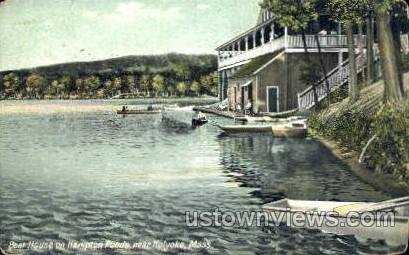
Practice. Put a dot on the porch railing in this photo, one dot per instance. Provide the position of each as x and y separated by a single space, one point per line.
229 58
339 76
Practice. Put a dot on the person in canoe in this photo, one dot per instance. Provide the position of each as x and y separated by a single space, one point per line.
201 116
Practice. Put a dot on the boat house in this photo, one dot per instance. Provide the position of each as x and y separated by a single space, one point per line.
263 65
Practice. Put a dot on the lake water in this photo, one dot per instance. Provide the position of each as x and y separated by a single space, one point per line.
97 176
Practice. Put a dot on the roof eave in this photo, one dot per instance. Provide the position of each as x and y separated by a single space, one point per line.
245 33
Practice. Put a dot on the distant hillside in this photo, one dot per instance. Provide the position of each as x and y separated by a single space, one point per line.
156 74
127 65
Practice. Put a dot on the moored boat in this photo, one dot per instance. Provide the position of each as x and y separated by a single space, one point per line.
345 218
276 130
138 111
246 128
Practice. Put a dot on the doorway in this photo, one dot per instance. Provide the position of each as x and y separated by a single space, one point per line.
272 99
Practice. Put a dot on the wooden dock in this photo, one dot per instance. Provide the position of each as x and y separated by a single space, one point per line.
231 115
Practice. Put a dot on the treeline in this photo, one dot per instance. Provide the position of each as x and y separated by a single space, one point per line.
155 76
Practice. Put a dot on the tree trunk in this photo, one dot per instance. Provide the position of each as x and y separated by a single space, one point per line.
396 27
307 59
393 90
324 70
361 46
353 79
370 58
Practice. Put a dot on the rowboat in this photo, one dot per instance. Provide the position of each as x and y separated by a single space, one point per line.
138 111
246 129
276 130
390 220
198 122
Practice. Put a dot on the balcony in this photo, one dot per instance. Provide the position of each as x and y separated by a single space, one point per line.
286 42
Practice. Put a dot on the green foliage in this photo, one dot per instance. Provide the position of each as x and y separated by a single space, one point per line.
389 152
36 85
130 83
158 83
310 72
56 88
348 11
195 87
146 82
11 85
209 84
181 88
295 14
105 79
352 129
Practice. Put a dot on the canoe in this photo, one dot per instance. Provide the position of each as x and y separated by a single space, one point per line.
277 131
138 112
336 219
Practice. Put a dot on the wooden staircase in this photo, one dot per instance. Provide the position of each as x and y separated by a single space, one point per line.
338 77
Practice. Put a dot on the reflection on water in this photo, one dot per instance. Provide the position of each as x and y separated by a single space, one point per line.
292 168
100 176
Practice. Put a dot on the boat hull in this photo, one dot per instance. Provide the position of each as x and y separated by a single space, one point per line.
277 131
395 234
138 112
198 122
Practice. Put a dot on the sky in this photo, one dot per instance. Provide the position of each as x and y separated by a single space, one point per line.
43 32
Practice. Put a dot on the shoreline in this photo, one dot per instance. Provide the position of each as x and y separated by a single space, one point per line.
8 107
382 182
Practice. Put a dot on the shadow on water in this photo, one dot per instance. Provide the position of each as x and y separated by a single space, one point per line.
173 126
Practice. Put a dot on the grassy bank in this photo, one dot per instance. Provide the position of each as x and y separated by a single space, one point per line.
382 131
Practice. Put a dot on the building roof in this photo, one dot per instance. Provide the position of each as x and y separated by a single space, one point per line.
254 65
242 35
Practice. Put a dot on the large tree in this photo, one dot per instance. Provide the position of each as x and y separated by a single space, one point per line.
181 88
158 84
11 84
394 91
350 13
36 85
146 83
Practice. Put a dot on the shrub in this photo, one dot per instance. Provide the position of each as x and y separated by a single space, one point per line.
389 152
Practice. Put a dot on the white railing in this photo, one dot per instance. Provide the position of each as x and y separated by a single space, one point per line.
336 78
241 56
229 58
326 41
339 76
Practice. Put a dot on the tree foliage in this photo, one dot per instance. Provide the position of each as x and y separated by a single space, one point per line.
295 14
35 85
134 76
